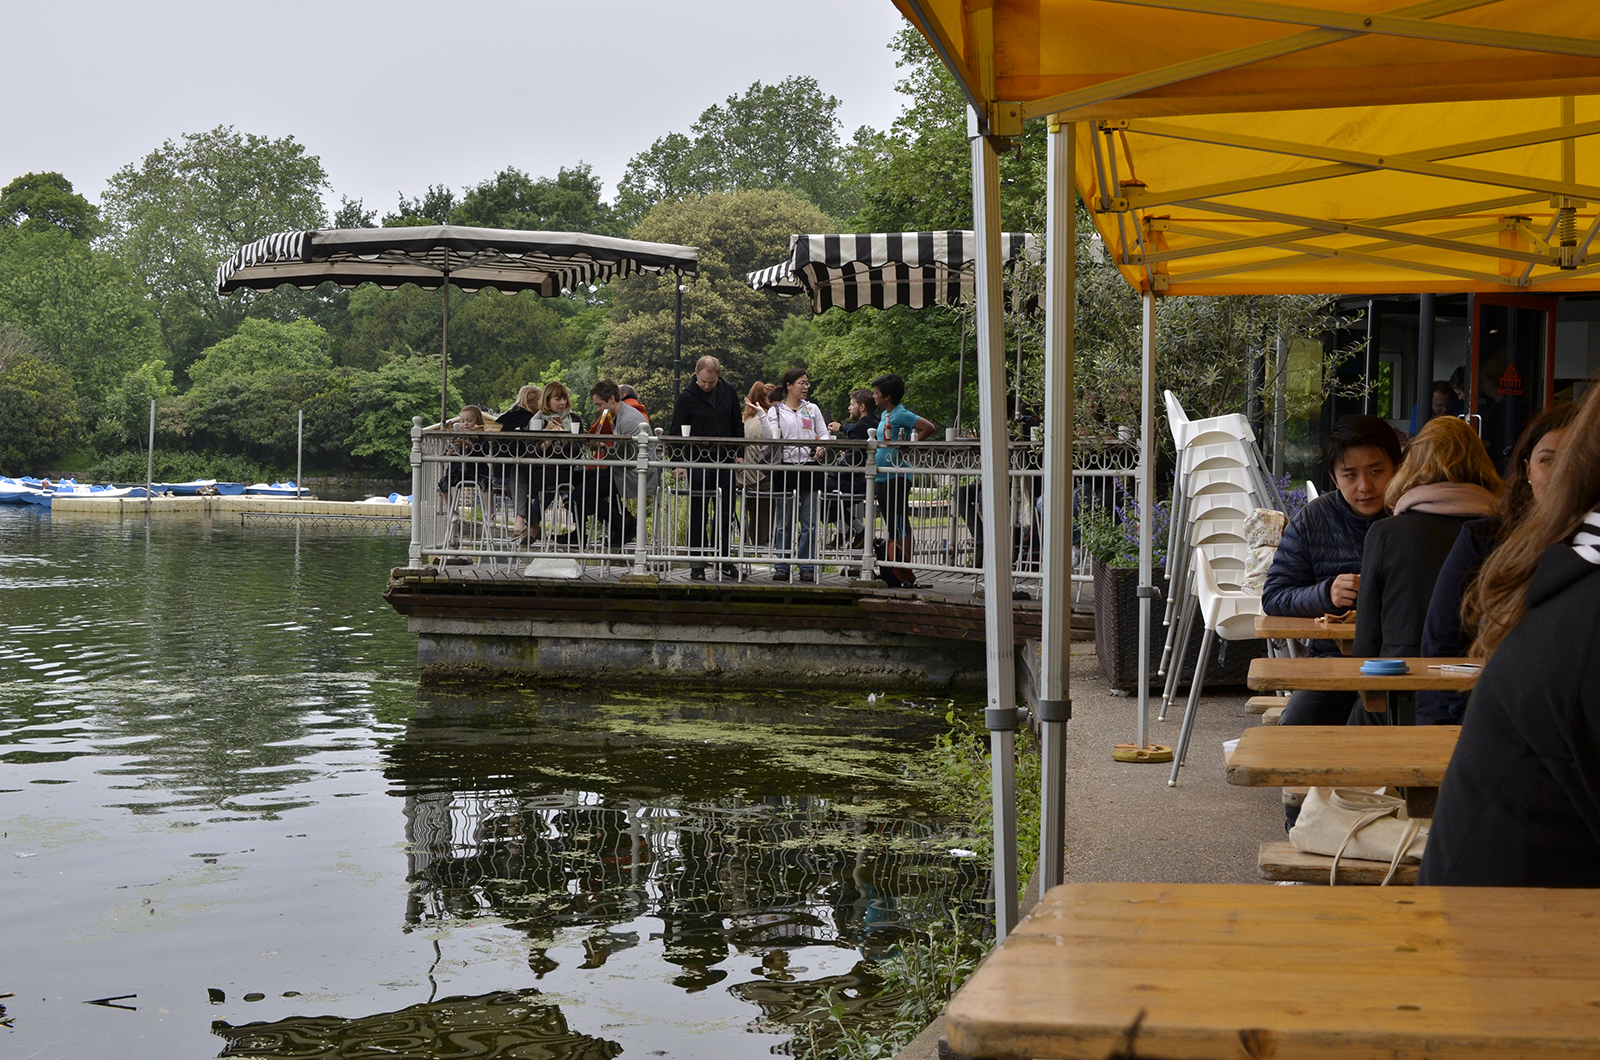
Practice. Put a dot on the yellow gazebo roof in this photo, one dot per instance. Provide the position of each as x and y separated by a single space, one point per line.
1243 147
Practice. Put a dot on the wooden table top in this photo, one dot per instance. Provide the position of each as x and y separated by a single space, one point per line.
1344 755
1289 973
1274 627
1344 674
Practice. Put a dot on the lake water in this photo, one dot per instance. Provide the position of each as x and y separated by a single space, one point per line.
231 824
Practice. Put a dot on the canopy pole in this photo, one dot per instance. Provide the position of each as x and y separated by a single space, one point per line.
995 460
1147 497
1280 404
1427 314
1055 702
444 348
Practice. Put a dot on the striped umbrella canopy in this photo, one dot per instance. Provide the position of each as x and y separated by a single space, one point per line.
446 256
471 258
883 269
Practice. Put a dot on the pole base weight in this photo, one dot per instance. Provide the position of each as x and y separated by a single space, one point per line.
1132 752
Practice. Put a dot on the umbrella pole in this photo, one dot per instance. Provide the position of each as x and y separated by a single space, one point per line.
961 368
444 349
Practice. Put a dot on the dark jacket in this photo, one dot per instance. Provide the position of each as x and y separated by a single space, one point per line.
516 418
1319 544
710 414
1398 570
1442 636
1520 806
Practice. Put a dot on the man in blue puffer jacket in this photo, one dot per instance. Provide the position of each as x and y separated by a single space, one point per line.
1317 569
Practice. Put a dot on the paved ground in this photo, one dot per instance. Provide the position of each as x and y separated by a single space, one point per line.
1125 824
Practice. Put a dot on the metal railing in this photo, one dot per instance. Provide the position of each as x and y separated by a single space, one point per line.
563 503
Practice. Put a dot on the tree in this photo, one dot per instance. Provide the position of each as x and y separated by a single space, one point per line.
512 199
188 205
382 405
81 305
263 346
352 213
38 409
432 208
126 414
46 200
774 136
737 233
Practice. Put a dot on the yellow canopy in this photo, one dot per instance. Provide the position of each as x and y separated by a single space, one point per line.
1329 146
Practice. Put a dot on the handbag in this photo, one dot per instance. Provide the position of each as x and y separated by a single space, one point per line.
1353 822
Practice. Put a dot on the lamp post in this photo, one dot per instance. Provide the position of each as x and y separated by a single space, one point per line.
677 340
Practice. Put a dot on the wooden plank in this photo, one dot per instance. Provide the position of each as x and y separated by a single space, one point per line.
1320 973
1271 715
1348 755
1344 674
1272 627
1285 861
1261 704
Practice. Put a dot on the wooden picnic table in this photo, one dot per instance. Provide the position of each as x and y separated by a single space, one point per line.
1199 970
1361 756
1344 674
1275 627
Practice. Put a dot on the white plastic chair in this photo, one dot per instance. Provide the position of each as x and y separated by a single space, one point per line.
1229 614
1312 493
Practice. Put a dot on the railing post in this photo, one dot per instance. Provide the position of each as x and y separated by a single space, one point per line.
869 518
416 491
642 466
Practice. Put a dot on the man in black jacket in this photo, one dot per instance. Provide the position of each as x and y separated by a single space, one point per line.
710 408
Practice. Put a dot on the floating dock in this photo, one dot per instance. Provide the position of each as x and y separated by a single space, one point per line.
128 507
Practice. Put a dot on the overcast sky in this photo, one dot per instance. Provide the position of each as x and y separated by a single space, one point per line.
394 96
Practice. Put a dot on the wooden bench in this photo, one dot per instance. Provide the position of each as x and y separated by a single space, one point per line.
1284 861
1262 704
1271 715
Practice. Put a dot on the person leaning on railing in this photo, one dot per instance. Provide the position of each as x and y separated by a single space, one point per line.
609 487
897 426
850 487
709 408
794 418
755 483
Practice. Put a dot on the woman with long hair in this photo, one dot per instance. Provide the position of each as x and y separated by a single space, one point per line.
1445 479
519 417
795 418
756 483
1527 474
1520 804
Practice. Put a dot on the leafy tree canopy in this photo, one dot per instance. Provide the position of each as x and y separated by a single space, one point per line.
511 199
737 233
190 204
82 306
263 346
774 136
432 208
38 409
383 404
46 200
352 213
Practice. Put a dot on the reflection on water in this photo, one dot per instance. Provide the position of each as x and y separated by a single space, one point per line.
495 1025
222 798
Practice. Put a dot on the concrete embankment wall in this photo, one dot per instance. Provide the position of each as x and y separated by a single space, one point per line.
532 630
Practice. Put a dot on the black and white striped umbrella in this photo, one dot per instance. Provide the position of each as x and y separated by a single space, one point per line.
472 258
446 256
883 269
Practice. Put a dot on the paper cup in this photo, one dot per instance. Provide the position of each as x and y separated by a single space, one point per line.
685 430
949 434
537 423
574 426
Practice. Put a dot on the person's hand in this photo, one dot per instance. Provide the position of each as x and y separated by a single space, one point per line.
834 426
1343 590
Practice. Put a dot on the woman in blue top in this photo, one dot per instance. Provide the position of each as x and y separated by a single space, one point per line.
898 424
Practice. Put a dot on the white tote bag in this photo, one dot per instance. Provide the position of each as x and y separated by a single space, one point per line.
1355 823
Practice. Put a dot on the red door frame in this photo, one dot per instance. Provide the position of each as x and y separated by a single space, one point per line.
1548 304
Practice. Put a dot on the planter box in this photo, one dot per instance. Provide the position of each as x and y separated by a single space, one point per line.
1116 637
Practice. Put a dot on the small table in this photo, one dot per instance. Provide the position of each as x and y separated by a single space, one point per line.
1344 675
1278 627
1198 970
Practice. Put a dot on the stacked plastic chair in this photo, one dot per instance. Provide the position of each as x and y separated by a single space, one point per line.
1227 613
1220 481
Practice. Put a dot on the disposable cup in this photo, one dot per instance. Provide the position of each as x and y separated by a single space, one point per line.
574 427
685 430
949 434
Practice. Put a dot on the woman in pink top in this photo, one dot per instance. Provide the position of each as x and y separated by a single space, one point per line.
793 418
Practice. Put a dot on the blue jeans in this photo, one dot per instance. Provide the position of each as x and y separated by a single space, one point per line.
797 486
